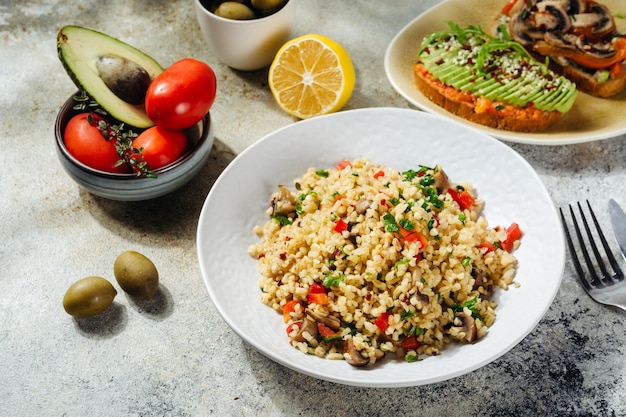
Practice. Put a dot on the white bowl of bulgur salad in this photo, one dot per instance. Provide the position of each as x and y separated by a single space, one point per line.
380 247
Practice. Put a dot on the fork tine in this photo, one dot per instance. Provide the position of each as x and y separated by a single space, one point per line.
575 258
617 271
572 251
604 278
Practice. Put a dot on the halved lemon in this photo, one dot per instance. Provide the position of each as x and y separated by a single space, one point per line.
311 75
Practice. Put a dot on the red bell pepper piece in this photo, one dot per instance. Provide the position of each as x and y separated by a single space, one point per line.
290 307
382 321
293 326
343 164
513 233
464 199
489 246
340 226
320 298
508 6
317 288
327 333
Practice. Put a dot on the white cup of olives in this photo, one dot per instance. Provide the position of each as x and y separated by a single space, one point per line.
246 34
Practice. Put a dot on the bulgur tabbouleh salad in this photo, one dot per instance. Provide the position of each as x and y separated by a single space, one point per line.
363 260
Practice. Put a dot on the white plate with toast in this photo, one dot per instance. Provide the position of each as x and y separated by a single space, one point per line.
591 118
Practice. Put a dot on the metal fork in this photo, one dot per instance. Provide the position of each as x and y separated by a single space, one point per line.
604 283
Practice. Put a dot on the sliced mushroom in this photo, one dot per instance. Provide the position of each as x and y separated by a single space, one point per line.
560 41
308 326
283 202
479 278
441 183
596 24
352 355
420 300
576 6
323 317
362 205
551 16
467 325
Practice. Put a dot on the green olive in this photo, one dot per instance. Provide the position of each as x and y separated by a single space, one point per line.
136 274
234 10
88 297
266 7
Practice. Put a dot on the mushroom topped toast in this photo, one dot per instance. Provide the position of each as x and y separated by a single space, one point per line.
578 36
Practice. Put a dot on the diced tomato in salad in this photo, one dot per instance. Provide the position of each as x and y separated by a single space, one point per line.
343 164
290 307
410 342
293 326
382 321
327 333
464 199
341 226
513 233
317 298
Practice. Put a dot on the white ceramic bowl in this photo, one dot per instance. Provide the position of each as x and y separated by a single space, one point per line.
247 44
400 138
129 187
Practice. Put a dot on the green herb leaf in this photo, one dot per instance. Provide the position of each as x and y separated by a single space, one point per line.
406 314
407 224
390 223
333 280
282 219
411 358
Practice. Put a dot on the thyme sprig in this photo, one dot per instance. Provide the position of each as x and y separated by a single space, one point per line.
121 137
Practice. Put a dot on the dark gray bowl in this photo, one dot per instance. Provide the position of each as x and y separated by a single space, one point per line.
129 187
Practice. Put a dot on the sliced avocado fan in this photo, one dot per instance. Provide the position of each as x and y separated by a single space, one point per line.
112 72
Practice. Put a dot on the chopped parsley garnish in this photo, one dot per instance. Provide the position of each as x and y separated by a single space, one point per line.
322 173
283 220
406 314
390 223
409 175
417 331
402 261
407 224
466 261
333 279
301 197
411 358
427 180
470 305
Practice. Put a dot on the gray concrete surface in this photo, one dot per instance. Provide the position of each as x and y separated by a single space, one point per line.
175 356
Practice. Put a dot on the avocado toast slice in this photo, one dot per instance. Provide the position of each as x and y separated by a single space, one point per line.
490 81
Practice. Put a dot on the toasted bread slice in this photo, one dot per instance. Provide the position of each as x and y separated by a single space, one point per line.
490 81
589 82
483 111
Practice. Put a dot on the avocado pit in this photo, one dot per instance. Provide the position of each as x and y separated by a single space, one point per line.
124 77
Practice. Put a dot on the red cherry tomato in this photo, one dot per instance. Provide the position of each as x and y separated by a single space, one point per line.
181 95
159 147
84 139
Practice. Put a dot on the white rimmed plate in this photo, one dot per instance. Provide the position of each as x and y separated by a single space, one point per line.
403 139
590 119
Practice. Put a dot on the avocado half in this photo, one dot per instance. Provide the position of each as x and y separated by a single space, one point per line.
79 50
